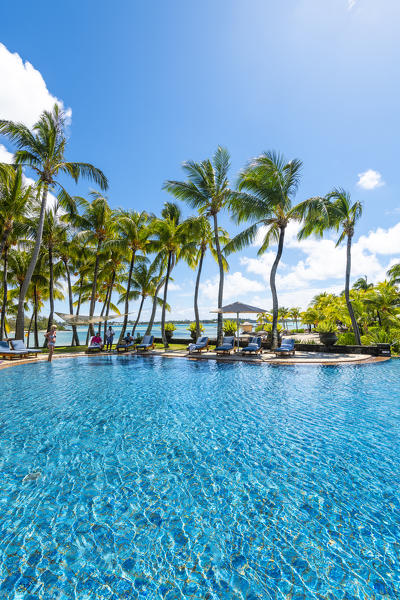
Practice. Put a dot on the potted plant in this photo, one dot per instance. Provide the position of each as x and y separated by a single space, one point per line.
193 330
229 327
169 331
327 332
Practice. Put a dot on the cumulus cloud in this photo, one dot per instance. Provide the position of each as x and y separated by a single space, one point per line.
322 264
370 180
24 93
236 286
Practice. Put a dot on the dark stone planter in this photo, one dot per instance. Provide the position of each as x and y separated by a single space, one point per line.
168 335
328 339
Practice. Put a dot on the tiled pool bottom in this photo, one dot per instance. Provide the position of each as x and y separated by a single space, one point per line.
151 478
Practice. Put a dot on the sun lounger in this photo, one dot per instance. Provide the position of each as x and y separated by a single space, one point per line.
19 346
287 347
6 352
254 345
94 346
201 344
124 346
228 344
147 343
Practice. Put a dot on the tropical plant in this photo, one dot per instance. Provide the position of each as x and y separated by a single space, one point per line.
204 238
133 236
207 190
97 225
362 284
294 314
42 149
169 329
394 274
334 211
266 187
195 329
229 327
173 241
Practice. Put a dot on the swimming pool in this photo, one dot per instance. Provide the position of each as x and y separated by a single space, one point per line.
166 478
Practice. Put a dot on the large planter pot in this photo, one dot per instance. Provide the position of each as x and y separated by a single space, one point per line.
168 335
328 339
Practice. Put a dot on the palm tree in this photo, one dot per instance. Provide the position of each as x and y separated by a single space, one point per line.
15 203
207 190
42 150
334 211
144 283
295 314
394 274
385 299
172 239
133 236
205 240
160 280
362 284
54 234
283 314
266 187
97 225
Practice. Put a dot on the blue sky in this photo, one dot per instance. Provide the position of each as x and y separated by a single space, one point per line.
150 86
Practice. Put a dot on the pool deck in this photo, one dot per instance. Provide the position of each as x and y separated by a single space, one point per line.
300 358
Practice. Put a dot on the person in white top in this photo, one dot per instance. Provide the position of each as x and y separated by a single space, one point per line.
109 338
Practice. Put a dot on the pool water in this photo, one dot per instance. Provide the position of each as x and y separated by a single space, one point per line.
131 477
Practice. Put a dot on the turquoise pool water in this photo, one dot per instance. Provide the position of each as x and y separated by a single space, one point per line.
130 477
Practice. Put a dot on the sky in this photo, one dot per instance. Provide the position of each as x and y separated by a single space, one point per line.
148 86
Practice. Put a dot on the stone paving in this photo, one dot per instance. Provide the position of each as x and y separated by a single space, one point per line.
301 357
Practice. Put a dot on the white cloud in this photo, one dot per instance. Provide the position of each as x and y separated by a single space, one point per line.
351 4
370 180
322 265
24 94
236 286
5 155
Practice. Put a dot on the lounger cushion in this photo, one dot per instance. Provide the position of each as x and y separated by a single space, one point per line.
19 345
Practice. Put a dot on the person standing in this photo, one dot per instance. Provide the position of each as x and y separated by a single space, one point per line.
51 340
109 338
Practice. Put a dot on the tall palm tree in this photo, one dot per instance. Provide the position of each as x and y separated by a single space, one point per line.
133 236
172 238
42 149
362 284
162 260
144 285
295 314
266 189
15 202
97 225
207 189
69 252
394 274
334 211
204 239
54 233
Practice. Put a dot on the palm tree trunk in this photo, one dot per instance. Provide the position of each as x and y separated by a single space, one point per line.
75 338
4 305
221 280
196 294
4 237
128 289
154 308
78 306
19 324
102 311
164 337
36 315
347 292
108 303
272 277
51 294
138 316
29 328
93 296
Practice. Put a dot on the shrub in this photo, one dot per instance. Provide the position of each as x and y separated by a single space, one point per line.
346 339
229 327
193 331
169 331
326 327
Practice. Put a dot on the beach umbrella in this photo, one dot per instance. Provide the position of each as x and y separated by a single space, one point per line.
239 308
